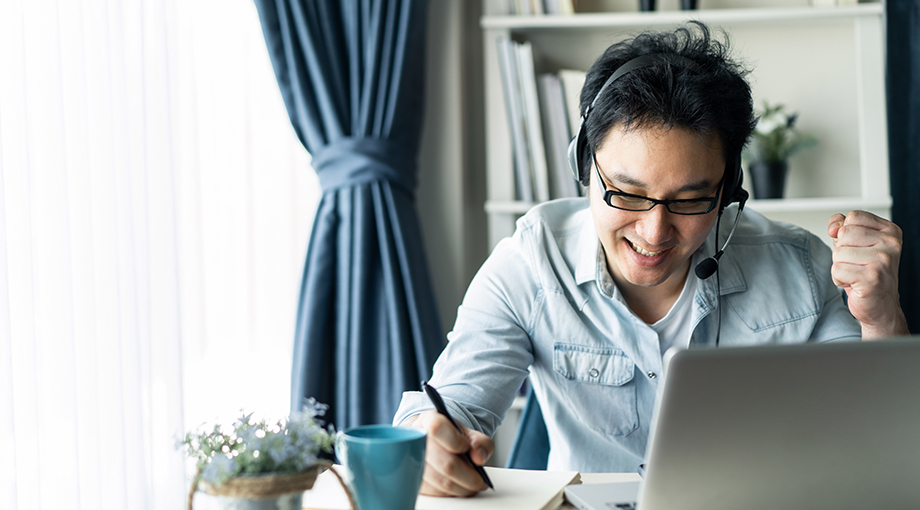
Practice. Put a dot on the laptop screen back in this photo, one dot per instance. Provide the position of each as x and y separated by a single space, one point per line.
804 426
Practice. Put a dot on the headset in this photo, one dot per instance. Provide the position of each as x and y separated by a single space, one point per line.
731 184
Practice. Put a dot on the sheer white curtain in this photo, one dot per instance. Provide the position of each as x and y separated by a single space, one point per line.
154 211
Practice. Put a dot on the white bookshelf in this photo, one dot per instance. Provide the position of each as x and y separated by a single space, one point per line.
827 63
625 20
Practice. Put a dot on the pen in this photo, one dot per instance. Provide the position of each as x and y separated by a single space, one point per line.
435 398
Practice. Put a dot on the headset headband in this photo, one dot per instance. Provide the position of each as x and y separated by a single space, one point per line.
637 63
732 191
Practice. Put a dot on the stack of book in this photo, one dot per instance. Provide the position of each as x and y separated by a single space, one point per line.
543 115
529 7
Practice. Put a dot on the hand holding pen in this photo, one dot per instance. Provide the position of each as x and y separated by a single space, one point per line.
447 471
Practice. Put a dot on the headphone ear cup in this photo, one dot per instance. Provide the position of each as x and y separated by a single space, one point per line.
733 192
573 157
576 152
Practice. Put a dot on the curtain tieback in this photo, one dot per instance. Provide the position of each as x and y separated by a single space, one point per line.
353 161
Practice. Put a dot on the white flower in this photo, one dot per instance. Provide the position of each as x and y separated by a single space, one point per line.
775 138
253 447
769 123
218 469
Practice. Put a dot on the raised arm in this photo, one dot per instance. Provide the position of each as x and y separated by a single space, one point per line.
867 250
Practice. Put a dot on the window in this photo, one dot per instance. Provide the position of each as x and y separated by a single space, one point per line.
155 207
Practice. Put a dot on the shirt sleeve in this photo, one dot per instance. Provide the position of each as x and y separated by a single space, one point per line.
489 350
835 323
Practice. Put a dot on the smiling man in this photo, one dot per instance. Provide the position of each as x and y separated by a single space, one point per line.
648 252
587 295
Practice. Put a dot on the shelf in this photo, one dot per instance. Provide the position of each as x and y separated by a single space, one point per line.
508 206
787 205
620 20
832 204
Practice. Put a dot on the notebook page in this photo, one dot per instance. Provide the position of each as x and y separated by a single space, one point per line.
515 489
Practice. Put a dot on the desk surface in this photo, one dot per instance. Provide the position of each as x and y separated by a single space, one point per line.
327 493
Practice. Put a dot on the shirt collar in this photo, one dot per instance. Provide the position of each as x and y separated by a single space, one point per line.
590 253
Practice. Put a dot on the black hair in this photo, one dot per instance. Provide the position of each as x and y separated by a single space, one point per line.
712 96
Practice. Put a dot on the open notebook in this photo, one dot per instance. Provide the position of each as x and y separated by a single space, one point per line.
515 489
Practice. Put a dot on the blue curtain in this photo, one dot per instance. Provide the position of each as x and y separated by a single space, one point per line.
352 77
902 26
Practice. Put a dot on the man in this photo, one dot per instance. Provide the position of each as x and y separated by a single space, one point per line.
588 294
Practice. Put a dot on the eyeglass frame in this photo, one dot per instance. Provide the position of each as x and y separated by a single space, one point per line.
608 194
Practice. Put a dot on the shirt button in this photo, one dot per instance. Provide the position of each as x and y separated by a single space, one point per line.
594 373
652 375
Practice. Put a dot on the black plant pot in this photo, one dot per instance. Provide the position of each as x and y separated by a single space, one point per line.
769 179
646 5
688 5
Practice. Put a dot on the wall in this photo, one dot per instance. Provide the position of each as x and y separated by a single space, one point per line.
451 189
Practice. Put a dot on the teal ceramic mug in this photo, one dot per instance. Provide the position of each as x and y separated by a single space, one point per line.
384 465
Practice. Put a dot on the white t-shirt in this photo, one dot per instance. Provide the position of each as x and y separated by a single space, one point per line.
674 329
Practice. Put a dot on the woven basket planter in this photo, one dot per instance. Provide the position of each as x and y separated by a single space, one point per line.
265 492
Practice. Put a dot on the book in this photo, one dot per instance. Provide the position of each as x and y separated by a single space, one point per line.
531 7
511 86
572 82
532 121
566 7
515 489
557 136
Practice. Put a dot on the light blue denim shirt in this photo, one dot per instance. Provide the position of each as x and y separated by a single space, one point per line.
544 303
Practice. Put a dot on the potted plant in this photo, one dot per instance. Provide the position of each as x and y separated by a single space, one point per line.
257 464
774 140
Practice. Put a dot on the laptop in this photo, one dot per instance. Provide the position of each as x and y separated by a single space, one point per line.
792 427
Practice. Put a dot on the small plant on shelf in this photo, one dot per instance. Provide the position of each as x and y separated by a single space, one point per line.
772 143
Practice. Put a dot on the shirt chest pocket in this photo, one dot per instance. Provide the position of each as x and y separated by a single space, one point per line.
599 386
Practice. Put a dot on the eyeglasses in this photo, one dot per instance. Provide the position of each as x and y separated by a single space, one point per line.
628 202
